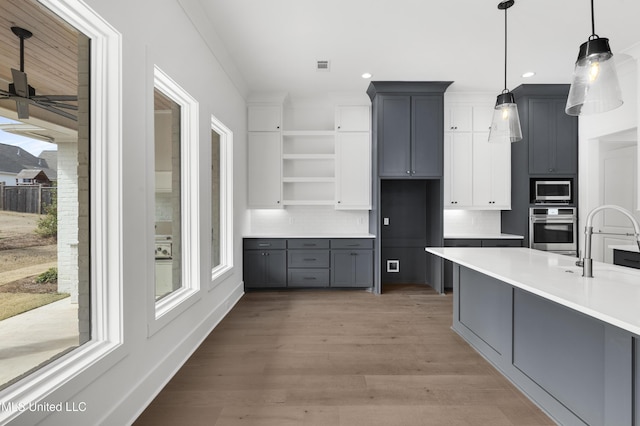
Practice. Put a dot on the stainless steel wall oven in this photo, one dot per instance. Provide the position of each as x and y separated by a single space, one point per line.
554 229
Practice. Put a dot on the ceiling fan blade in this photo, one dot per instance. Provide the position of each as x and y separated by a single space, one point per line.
22 107
54 110
5 93
62 98
20 83
55 104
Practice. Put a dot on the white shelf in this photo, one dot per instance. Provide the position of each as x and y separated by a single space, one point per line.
295 179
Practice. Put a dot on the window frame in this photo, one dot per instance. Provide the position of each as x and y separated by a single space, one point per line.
220 272
163 311
105 348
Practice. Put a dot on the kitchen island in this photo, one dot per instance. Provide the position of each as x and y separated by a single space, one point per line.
570 343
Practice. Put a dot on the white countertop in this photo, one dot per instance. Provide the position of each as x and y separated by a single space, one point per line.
612 296
484 236
309 236
633 248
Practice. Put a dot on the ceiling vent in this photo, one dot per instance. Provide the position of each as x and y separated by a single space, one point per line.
322 66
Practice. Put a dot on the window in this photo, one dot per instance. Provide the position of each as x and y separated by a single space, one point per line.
89 246
221 201
176 200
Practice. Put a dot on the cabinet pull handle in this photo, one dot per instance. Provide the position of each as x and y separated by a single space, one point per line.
631 260
264 244
310 259
309 278
354 254
354 245
309 244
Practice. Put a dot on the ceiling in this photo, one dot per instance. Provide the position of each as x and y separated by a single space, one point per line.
275 44
50 55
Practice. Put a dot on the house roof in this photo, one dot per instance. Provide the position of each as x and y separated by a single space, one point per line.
32 174
13 159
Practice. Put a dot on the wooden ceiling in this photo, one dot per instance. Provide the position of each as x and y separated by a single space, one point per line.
50 55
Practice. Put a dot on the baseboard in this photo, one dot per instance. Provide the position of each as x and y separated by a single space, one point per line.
135 402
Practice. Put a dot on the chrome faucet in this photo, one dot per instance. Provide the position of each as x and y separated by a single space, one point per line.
586 262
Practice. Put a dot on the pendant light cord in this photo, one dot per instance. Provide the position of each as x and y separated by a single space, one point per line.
593 24
505 49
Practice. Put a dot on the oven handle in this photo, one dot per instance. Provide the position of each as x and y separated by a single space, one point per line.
552 220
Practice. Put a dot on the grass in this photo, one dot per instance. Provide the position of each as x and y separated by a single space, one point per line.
16 303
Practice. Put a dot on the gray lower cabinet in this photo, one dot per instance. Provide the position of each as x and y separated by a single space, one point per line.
352 263
578 369
308 263
265 263
629 259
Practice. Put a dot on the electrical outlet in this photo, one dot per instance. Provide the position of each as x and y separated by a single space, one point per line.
385 221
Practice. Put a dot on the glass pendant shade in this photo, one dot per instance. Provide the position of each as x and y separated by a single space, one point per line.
595 86
505 126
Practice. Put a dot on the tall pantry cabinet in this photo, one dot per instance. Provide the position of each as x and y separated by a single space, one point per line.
407 208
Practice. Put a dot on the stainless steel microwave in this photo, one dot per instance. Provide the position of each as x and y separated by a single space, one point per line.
553 191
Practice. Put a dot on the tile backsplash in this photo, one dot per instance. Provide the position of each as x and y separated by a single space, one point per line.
471 222
317 220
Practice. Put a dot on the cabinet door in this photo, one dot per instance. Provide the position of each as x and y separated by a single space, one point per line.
566 147
458 118
265 268
353 118
353 171
482 116
264 170
553 138
491 173
264 118
394 136
352 268
458 166
426 136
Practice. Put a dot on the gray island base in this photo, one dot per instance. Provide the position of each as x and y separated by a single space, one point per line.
569 343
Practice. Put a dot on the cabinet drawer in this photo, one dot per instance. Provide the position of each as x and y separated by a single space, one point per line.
264 243
626 258
308 243
308 278
502 243
308 258
463 242
352 243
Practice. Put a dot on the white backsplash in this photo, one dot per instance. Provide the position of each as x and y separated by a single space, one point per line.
299 220
471 222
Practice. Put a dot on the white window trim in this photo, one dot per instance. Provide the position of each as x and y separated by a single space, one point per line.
84 364
224 269
166 309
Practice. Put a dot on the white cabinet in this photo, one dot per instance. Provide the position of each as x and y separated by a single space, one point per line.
264 118
458 118
477 174
458 160
264 170
288 167
491 173
353 118
353 170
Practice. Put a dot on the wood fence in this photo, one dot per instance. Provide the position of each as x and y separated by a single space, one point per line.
26 198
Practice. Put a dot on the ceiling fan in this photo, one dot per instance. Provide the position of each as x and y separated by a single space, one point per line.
25 95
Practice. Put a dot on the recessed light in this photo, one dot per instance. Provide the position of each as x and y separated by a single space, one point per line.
528 74
366 75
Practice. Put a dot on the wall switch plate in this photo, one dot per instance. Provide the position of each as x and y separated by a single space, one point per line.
385 221
393 266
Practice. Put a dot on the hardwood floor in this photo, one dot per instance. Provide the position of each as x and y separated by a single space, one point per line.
340 358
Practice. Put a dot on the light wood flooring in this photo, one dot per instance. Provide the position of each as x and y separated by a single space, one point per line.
337 358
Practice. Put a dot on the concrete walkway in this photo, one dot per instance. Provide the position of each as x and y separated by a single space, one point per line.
27 271
35 336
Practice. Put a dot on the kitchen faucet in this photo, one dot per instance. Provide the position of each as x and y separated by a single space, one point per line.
586 262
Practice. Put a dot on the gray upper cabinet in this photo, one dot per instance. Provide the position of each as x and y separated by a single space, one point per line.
409 124
412 136
553 138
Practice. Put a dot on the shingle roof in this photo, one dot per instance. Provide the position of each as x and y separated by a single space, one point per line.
13 159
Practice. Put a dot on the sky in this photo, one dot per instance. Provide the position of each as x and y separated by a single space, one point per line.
33 146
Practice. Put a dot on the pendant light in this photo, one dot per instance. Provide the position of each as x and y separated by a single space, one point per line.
595 86
505 126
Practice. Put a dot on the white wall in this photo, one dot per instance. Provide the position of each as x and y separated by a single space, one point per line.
616 126
159 32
